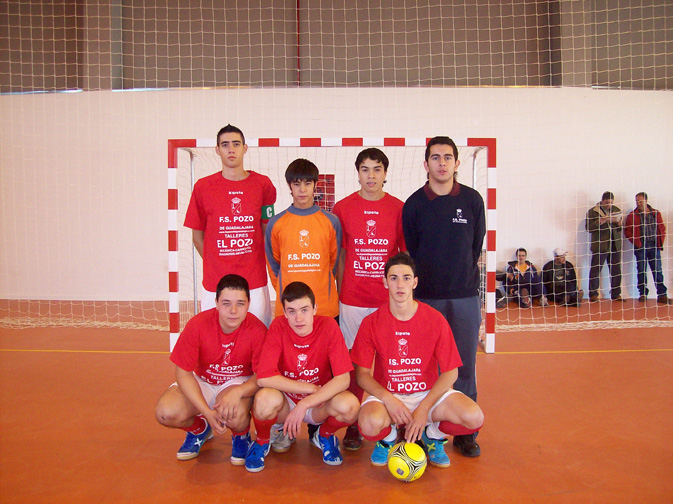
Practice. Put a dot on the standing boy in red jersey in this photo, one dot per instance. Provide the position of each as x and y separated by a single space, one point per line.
371 221
303 242
215 359
305 371
228 213
408 341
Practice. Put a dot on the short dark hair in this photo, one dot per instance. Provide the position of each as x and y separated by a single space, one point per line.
607 195
441 140
375 155
401 258
229 129
234 282
301 169
520 249
643 194
296 290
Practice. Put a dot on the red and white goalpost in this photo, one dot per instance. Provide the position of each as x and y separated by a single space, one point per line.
190 159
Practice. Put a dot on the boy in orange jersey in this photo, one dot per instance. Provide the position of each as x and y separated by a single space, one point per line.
303 242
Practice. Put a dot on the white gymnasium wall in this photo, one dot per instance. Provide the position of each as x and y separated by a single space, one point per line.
83 175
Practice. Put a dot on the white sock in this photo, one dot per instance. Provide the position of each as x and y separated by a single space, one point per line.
433 432
392 437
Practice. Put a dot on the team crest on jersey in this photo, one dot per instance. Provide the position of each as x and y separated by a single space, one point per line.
303 238
402 347
301 362
236 206
459 219
227 357
371 228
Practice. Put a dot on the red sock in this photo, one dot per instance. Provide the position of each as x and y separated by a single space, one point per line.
242 433
452 429
354 388
198 425
331 425
383 434
263 428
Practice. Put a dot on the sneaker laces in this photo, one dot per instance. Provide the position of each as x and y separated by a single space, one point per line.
432 444
327 444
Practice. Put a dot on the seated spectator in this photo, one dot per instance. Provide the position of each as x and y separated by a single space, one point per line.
560 280
523 283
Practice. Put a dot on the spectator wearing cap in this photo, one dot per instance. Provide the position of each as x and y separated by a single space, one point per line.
645 228
604 224
560 280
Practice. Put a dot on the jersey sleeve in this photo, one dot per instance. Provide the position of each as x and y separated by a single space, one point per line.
257 345
339 359
401 242
195 217
270 353
409 226
335 245
363 351
268 199
479 228
185 354
272 251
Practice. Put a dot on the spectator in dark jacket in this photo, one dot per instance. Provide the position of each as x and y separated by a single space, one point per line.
560 280
604 224
523 282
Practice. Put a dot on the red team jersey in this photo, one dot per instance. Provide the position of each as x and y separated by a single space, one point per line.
408 353
315 358
230 214
372 233
214 356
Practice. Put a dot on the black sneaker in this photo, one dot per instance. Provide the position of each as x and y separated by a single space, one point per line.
352 439
312 428
467 444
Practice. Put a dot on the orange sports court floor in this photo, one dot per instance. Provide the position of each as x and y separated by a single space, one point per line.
581 416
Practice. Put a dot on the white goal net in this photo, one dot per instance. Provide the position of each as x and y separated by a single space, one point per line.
338 178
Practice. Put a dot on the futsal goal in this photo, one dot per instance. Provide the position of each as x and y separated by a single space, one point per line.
191 159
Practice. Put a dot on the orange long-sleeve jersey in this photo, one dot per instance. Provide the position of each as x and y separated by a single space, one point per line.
303 245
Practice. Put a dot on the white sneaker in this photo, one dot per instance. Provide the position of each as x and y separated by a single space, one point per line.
280 443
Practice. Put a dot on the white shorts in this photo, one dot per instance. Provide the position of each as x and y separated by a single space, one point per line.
210 392
260 303
412 401
350 318
308 417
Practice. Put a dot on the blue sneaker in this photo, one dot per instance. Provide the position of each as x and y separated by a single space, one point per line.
435 449
329 447
239 448
380 453
254 459
192 446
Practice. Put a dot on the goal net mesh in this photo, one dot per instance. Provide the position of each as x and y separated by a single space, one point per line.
131 44
338 179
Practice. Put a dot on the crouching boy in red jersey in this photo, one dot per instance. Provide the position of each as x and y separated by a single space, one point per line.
305 372
408 341
215 358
